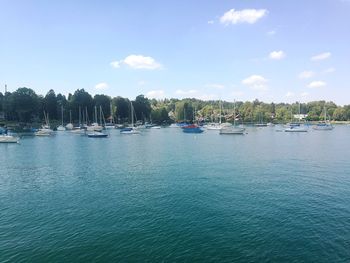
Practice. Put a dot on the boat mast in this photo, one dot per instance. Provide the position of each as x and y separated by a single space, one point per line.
79 116
62 113
95 114
220 105
132 114
111 110
234 113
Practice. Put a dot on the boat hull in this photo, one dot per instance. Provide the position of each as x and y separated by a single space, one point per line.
232 131
97 135
8 139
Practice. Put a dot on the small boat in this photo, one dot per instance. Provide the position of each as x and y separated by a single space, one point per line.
129 130
94 127
324 125
232 130
97 135
213 126
155 127
4 138
44 132
61 128
295 128
78 131
260 124
132 129
192 128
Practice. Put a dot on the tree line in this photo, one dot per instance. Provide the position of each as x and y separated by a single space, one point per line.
25 106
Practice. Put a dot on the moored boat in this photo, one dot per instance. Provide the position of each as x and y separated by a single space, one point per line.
232 130
4 138
324 125
192 128
295 128
129 130
97 135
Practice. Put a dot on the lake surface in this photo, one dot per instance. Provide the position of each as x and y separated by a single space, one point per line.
165 196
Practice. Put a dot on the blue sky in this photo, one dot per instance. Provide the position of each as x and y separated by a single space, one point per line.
279 51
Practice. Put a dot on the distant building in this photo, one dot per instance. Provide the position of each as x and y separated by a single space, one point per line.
2 115
300 116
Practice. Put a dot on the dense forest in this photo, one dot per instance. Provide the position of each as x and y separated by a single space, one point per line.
25 106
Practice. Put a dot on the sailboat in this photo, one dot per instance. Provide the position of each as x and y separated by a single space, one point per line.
45 130
131 129
214 125
295 127
324 125
5 138
95 126
111 123
61 127
232 129
261 121
97 132
70 126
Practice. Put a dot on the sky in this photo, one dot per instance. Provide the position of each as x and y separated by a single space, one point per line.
274 51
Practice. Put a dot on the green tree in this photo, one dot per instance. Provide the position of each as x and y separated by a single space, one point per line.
24 102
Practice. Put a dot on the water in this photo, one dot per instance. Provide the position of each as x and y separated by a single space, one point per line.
165 196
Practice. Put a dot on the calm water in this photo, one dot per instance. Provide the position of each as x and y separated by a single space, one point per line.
167 196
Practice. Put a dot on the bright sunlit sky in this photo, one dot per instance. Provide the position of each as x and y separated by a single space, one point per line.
281 51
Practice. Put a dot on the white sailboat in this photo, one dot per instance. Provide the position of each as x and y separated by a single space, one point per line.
233 129
4 138
97 132
70 126
45 130
324 125
95 126
61 127
214 126
111 123
295 127
131 129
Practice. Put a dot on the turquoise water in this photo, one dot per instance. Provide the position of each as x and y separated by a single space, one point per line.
165 196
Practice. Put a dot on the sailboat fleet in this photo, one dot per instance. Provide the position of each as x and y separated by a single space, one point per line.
95 129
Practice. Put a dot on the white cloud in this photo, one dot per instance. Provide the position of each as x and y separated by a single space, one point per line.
193 93
317 84
101 86
155 94
115 64
210 22
141 83
304 94
277 55
306 74
207 97
256 82
186 92
321 56
138 62
271 33
289 94
329 70
249 16
215 86
237 93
